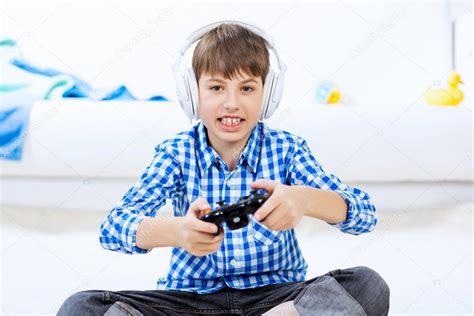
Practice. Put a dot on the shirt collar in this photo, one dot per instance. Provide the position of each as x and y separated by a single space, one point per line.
207 155
251 153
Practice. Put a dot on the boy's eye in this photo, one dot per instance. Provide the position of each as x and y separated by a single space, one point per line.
217 88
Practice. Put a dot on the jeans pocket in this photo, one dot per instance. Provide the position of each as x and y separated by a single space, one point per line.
338 273
121 308
263 235
328 296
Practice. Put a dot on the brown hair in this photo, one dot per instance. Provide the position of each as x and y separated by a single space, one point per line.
230 49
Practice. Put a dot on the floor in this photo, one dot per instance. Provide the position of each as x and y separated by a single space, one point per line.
425 255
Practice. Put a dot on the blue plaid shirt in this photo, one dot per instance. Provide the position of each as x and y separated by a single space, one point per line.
186 167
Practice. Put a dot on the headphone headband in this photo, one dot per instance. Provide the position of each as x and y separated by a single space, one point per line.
199 33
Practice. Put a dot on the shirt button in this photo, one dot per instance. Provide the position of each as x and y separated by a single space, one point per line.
235 263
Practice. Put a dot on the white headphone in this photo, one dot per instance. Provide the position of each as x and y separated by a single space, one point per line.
187 87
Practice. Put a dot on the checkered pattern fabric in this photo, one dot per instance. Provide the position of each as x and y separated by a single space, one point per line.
186 167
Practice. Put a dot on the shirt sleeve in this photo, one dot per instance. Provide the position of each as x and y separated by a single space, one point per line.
143 199
305 170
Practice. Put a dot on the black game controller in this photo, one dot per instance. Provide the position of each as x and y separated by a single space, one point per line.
236 215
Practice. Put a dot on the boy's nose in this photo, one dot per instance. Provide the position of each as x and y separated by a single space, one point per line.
231 101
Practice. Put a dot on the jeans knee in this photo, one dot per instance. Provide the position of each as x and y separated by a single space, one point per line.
377 288
375 279
81 303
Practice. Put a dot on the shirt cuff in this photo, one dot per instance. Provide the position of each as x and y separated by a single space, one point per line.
131 227
351 212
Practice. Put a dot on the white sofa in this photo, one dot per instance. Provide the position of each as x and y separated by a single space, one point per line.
85 155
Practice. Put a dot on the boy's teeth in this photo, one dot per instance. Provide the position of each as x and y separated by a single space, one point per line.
230 121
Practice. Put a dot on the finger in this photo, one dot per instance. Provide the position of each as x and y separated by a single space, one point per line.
205 252
205 238
213 246
200 205
284 225
197 209
274 218
215 242
266 184
267 207
208 247
198 225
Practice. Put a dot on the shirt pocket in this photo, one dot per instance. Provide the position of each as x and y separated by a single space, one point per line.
263 235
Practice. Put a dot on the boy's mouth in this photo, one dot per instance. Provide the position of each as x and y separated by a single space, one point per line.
230 123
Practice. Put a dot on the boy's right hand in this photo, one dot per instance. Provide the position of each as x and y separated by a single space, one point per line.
195 235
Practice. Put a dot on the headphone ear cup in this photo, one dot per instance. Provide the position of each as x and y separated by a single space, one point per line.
193 92
267 89
275 94
183 92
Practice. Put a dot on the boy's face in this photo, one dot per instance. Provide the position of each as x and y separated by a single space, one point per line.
230 108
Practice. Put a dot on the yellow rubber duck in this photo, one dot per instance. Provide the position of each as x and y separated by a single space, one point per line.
327 92
449 96
334 96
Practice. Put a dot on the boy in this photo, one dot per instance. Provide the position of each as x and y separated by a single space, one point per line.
258 268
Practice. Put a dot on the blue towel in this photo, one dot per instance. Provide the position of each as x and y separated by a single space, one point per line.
22 84
13 124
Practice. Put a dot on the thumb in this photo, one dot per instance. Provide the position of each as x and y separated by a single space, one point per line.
265 184
200 205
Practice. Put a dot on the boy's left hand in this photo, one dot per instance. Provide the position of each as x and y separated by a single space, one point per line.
284 208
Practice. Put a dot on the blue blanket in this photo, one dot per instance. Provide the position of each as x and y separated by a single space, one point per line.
22 83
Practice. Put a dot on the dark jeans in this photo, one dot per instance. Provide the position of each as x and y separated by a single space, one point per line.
353 291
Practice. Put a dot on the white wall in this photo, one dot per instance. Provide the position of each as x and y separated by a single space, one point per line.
383 55
379 53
